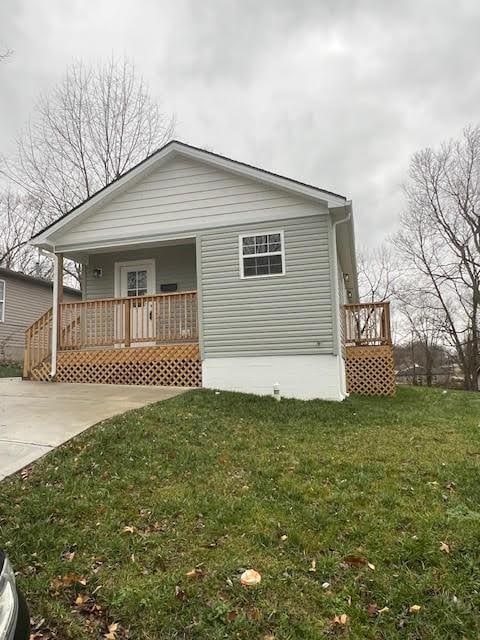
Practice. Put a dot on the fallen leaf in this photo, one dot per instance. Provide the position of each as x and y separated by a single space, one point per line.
82 598
68 555
250 578
67 581
180 594
444 547
341 619
195 573
415 608
25 473
384 610
284 537
128 529
112 628
355 561
371 566
325 585
232 615
372 609
313 566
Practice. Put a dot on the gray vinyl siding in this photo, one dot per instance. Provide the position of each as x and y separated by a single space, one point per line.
279 315
173 264
25 302
184 195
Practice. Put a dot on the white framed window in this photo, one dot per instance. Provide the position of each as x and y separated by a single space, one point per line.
2 300
262 254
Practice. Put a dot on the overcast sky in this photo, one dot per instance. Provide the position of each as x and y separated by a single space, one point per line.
338 94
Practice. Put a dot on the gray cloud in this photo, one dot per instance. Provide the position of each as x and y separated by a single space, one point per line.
339 94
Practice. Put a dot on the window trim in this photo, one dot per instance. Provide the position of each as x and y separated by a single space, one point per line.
241 255
2 314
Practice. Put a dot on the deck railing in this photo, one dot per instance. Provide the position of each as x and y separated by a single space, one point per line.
114 322
117 322
367 324
38 342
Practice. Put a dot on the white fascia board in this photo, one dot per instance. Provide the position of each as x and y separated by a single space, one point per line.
46 238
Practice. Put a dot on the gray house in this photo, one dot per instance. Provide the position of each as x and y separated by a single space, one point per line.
203 271
22 299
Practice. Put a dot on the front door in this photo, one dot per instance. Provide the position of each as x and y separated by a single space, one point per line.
138 279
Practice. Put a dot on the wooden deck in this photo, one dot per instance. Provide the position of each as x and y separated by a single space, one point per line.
154 340
369 361
139 340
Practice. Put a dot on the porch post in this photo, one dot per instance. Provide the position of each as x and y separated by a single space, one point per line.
57 299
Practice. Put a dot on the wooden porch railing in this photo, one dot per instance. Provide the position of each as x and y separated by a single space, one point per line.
162 318
367 324
38 342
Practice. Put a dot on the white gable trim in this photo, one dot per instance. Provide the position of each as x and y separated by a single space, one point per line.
45 238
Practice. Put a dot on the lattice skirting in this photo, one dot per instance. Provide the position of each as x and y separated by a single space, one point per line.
175 365
370 370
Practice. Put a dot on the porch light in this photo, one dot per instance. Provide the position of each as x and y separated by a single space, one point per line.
97 272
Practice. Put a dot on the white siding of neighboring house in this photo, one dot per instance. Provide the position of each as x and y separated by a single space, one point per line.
185 195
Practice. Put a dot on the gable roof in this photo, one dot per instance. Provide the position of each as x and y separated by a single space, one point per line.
34 280
175 146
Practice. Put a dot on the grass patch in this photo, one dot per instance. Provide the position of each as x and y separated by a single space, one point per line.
10 369
228 482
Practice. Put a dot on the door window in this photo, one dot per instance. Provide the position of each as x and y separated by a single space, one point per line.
137 282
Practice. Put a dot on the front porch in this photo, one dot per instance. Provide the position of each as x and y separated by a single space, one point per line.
137 322
142 340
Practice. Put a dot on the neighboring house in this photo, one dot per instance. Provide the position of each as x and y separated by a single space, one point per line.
22 299
203 271
442 376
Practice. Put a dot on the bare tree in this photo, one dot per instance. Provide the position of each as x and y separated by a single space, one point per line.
6 53
420 326
17 222
378 273
439 242
96 124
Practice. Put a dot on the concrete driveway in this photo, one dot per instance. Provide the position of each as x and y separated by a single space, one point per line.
36 417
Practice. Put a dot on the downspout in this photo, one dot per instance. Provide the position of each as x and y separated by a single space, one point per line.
347 217
337 347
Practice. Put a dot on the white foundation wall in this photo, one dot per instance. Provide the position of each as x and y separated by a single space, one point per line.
305 377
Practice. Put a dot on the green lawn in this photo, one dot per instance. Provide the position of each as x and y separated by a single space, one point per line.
104 530
10 369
